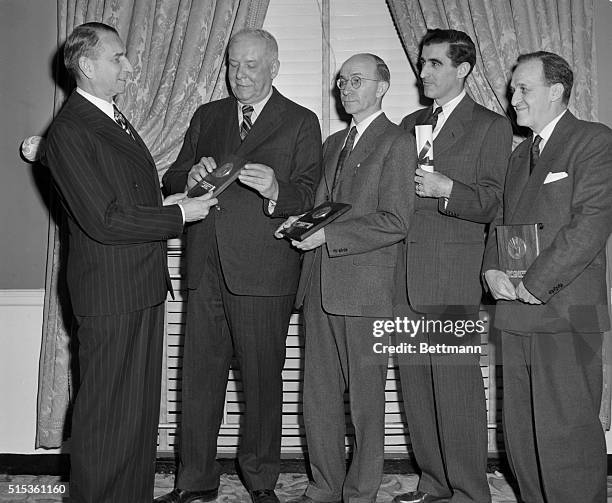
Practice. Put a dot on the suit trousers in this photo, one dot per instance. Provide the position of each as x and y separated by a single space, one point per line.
554 439
116 413
444 402
339 357
221 325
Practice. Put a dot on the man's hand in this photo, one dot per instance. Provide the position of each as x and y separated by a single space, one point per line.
196 208
199 171
285 225
430 184
524 295
500 285
311 242
261 178
175 198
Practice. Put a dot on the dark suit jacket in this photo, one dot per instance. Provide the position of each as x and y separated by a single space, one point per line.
445 245
286 137
359 258
118 226
576 213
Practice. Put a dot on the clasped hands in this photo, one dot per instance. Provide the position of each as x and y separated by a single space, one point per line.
257 176
432 184
502 288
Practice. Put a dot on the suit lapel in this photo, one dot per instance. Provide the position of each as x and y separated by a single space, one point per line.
554 146
454 127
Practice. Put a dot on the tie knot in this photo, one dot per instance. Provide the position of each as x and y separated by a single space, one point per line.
436 112
536 142
247 111
351 136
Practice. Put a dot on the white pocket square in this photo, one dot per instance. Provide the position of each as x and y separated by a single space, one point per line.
553 177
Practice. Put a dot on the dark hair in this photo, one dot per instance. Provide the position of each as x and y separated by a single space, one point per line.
461 49
83 41
382 70
556 70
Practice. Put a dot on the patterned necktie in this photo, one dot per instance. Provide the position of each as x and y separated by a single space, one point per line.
346 150
245 127
534 153
433 118
122 121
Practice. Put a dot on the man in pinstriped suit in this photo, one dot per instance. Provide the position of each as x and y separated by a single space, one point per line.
117 273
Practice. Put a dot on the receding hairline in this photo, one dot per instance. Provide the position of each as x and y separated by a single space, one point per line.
271 46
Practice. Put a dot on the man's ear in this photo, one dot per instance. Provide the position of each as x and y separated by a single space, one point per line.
86 66
274 68
463 70
556 92
382 89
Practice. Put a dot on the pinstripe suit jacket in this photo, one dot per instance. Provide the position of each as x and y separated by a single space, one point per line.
118 226
445 245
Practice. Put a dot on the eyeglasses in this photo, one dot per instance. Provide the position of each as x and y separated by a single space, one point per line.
355 82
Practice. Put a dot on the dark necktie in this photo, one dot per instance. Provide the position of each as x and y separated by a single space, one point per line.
346 150
433 118
122 121
245 127
534 153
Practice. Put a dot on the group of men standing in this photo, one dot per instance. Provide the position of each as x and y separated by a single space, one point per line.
411 245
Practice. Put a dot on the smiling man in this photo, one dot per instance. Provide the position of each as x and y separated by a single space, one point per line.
552 322
443 393
116 271
242 281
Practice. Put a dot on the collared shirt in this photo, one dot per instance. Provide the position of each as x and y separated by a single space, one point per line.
547 131
447 109
105 106
257 108
363 125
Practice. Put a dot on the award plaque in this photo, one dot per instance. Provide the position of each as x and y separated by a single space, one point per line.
312 221
517 248
424 145
227 171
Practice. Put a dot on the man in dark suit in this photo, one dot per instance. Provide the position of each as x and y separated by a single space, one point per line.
552 322
242 281
443 391
347 283
117 273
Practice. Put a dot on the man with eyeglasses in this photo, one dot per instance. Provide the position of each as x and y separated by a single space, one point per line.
346 286
443 392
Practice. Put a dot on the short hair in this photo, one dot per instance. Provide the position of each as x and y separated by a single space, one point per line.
556 70
266 36
382 70
83 41
461 48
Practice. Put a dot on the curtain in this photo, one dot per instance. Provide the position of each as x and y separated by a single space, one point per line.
177 49
501 30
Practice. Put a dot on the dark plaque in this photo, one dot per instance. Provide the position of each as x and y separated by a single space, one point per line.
227 171
517 248
312 221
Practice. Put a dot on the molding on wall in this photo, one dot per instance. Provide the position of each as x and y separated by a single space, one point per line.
14 297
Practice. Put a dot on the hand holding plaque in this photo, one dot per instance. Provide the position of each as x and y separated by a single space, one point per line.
314 220
517 248
424 145
219 179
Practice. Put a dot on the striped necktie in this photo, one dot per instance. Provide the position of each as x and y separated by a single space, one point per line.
245 127
534 152
122 121
346 150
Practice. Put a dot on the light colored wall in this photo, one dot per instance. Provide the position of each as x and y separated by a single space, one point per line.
27 42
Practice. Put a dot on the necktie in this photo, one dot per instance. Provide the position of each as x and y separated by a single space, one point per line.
122 121
245 127
433 118
534 153
346 150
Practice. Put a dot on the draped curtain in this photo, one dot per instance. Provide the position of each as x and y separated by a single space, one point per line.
501 30
177 49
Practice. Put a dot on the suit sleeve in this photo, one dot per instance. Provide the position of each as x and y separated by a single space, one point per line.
296 195
478 201
93 201
389 223
175 179
585 235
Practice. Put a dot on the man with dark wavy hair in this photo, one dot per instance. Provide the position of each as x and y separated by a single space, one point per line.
443 393
552 321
